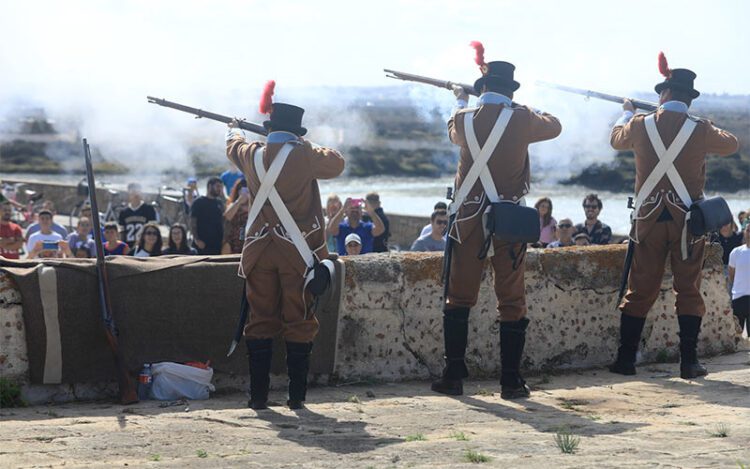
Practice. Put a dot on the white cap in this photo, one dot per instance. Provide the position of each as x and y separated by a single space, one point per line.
353 237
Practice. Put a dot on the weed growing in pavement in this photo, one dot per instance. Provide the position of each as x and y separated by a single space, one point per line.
459 436
202 453
156 457
474 457
567 442
721 430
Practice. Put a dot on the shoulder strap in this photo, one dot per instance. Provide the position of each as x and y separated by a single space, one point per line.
272 195
267 180
666 157
481 156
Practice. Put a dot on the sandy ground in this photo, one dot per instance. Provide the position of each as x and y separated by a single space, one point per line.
653 420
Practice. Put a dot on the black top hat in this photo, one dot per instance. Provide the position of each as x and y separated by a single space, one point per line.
498 74
286 117
679 79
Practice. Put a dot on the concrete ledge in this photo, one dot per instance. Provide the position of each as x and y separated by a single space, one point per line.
390 320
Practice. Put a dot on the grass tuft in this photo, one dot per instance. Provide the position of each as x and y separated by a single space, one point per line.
10 394
721 430
459 436
567 442
416 437
354 399
474 457
202 453
156 457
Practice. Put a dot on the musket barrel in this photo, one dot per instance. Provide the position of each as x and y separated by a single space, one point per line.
200 113
469 89
645 105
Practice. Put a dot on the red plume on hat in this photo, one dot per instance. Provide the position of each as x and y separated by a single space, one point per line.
664 66
266 102
479 57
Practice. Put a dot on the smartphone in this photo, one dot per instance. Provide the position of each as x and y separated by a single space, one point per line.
358 202
50 246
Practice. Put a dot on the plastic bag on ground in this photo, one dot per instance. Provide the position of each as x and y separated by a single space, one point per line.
175 381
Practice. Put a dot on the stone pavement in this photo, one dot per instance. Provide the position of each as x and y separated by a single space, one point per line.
652 420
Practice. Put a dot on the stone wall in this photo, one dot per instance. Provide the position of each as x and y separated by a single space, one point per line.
405 229
390 320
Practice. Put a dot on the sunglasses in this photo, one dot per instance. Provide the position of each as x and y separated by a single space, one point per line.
564 225
149 233
592 207
441 222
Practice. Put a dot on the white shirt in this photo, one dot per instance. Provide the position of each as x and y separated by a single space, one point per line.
427 229
739 260
45 238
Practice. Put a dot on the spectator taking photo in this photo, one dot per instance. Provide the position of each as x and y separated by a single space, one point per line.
354 224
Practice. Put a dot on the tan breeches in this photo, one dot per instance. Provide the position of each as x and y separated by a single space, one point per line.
647 271
466 274
277 305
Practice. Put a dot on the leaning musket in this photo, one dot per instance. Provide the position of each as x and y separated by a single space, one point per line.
469 89
198 113
645 105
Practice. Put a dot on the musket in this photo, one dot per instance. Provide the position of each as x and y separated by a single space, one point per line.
645 105
198 113
244 309
627 264
126 385
469 89
448 253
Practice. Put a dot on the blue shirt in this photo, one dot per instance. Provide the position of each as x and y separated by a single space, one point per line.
229 178
364 230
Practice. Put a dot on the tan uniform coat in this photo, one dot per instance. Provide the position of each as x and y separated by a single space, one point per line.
657 240
509 167
270 263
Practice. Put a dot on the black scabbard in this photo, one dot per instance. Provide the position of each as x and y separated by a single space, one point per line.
244 311
625 272
447 257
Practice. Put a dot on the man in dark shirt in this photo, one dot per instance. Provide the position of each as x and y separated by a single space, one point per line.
380 242
598 232
729 238
135 215
207 219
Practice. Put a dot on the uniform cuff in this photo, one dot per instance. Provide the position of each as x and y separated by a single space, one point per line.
233 132
460 104
624 119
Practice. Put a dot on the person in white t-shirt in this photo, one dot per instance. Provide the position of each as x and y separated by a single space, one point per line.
45 242
739 277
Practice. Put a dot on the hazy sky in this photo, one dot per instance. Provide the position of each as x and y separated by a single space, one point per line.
94 62
71 46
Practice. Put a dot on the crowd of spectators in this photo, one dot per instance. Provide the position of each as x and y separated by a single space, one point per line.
216 226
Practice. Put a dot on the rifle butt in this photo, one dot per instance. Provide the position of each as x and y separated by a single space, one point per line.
125 383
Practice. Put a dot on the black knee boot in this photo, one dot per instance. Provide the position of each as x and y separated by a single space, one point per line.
512 341
630 336
298 366
455 335
259 354
690 326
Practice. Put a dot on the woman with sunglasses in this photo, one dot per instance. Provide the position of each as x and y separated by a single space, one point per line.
149 243
546 221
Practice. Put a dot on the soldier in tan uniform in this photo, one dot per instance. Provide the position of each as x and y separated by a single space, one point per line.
505 178
273 264
670 149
